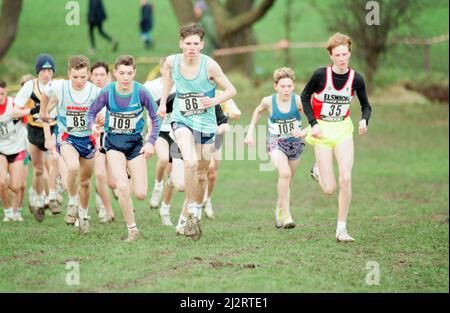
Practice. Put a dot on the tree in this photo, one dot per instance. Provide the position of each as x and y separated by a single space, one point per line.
371 25
9 24
234 20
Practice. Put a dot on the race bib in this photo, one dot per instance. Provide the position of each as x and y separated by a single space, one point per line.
124 123
334 112
189 104
76 120
7 129
284 128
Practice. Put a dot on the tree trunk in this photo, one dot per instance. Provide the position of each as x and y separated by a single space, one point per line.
184 10
241 62
9 24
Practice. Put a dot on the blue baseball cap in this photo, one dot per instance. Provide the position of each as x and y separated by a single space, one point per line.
45 61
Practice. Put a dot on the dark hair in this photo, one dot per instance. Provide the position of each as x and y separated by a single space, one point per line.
192 29
98 64
126 60
2 83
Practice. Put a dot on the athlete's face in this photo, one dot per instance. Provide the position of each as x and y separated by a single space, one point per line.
191 46
3 95
340 56
284 87
45 75
78 78
99 77
125 76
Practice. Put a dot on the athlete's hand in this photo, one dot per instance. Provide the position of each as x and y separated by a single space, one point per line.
298 133
223 128
316 132
49 143
162 111
95 131
362 127
148 150
207 102
100 119
249 139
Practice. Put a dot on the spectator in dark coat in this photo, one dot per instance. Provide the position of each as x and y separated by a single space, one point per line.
96 17
146 24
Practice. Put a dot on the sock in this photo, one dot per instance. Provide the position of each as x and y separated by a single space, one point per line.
164 209
199 210
130 227
40 201
192 208
52 194
341 226
73 200
9 212
82 213
19 211
159 184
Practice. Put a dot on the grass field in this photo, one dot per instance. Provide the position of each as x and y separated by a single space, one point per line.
399 213
399 216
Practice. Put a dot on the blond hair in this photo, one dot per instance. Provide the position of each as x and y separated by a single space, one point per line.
284 72
339 39
77 62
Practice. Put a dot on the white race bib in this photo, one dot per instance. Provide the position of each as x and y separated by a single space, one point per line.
7 129
284 128
124 123
334 112
189 104
76 120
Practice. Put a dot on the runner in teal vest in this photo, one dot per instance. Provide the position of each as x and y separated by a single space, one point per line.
194 123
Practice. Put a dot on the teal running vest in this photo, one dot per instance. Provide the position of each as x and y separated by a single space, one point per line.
282 124
186 106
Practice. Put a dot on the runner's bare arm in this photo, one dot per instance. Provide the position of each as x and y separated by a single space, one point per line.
167 82
43 112
216 74
263 106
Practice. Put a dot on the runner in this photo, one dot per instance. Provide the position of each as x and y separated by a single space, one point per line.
232 112
332 89
99 77
285 144
12 156
74 141
193 119
27 103
124 124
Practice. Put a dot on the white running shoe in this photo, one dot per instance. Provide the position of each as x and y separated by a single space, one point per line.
192 228
133 235
18 216
209 210
180 228
343 236
83 225
165 219
315 174
156 197
288 222
71 215
9 215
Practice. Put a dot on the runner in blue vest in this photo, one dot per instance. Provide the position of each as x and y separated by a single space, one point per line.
125 101
195 76
285 144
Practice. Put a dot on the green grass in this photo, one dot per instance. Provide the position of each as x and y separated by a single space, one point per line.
399 216
43 28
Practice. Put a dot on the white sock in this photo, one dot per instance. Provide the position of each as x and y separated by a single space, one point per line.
192 208
73 200
159 184
40 201
52 194
19 211
341 226
130 227
164 209
199 210
9 212
82 213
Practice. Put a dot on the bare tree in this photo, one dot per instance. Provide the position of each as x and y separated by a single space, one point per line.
370 33
9 24
234 20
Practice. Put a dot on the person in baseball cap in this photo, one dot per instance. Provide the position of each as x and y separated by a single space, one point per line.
45 61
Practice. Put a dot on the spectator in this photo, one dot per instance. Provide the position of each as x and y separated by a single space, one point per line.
146 24
96 17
